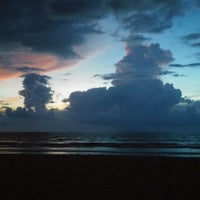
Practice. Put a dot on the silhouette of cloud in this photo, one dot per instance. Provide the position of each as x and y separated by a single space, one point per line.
36 92
140 61
135 39
191 36
147 16
192 39
53 28
166 72
185 65
26 69
137 103
45 33
136 97
31 29
16 63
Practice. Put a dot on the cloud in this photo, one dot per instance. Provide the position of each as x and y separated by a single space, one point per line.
42 36
136 98
105 76
26 69
53 30
166 72
36 92
196 44
78 10
191 36
22 119
197 2
147 16
35 27
3 105
19 112
185 65
142 5
131 104
32 32
141 61
137 103
135 39
192 39
67 74
179 75
15 63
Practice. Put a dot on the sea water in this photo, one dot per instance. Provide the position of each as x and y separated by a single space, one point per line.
140 144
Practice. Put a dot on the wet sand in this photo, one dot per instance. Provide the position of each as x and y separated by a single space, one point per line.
43 177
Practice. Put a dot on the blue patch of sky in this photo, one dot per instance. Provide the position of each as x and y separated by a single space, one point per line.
182 53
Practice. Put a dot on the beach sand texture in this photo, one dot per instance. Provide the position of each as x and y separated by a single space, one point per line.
43 177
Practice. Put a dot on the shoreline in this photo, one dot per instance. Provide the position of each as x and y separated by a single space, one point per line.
97 177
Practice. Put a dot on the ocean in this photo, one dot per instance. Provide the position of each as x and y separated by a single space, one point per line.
139 144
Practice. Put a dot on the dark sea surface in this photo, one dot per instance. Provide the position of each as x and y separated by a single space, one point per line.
141 144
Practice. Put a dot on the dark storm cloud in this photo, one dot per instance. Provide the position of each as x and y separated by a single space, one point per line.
192 39
20 112
142 22
56 26
42 31
131 102
135 39
166 72
78 9
172 73
192 36
137 103
36 92
32 24
141 62
196 44
51 30
81 104
197 2
28 120
5 61
152 16
136 99
179 75
105 76
143 5
185 65
26 69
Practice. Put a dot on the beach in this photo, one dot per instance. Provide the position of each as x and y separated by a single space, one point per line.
57 177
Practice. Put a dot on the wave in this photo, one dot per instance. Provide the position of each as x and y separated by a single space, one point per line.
180 145
100 144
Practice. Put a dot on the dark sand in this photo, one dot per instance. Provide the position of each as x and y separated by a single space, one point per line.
43 177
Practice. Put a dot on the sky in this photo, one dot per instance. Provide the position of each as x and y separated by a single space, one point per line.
104 65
